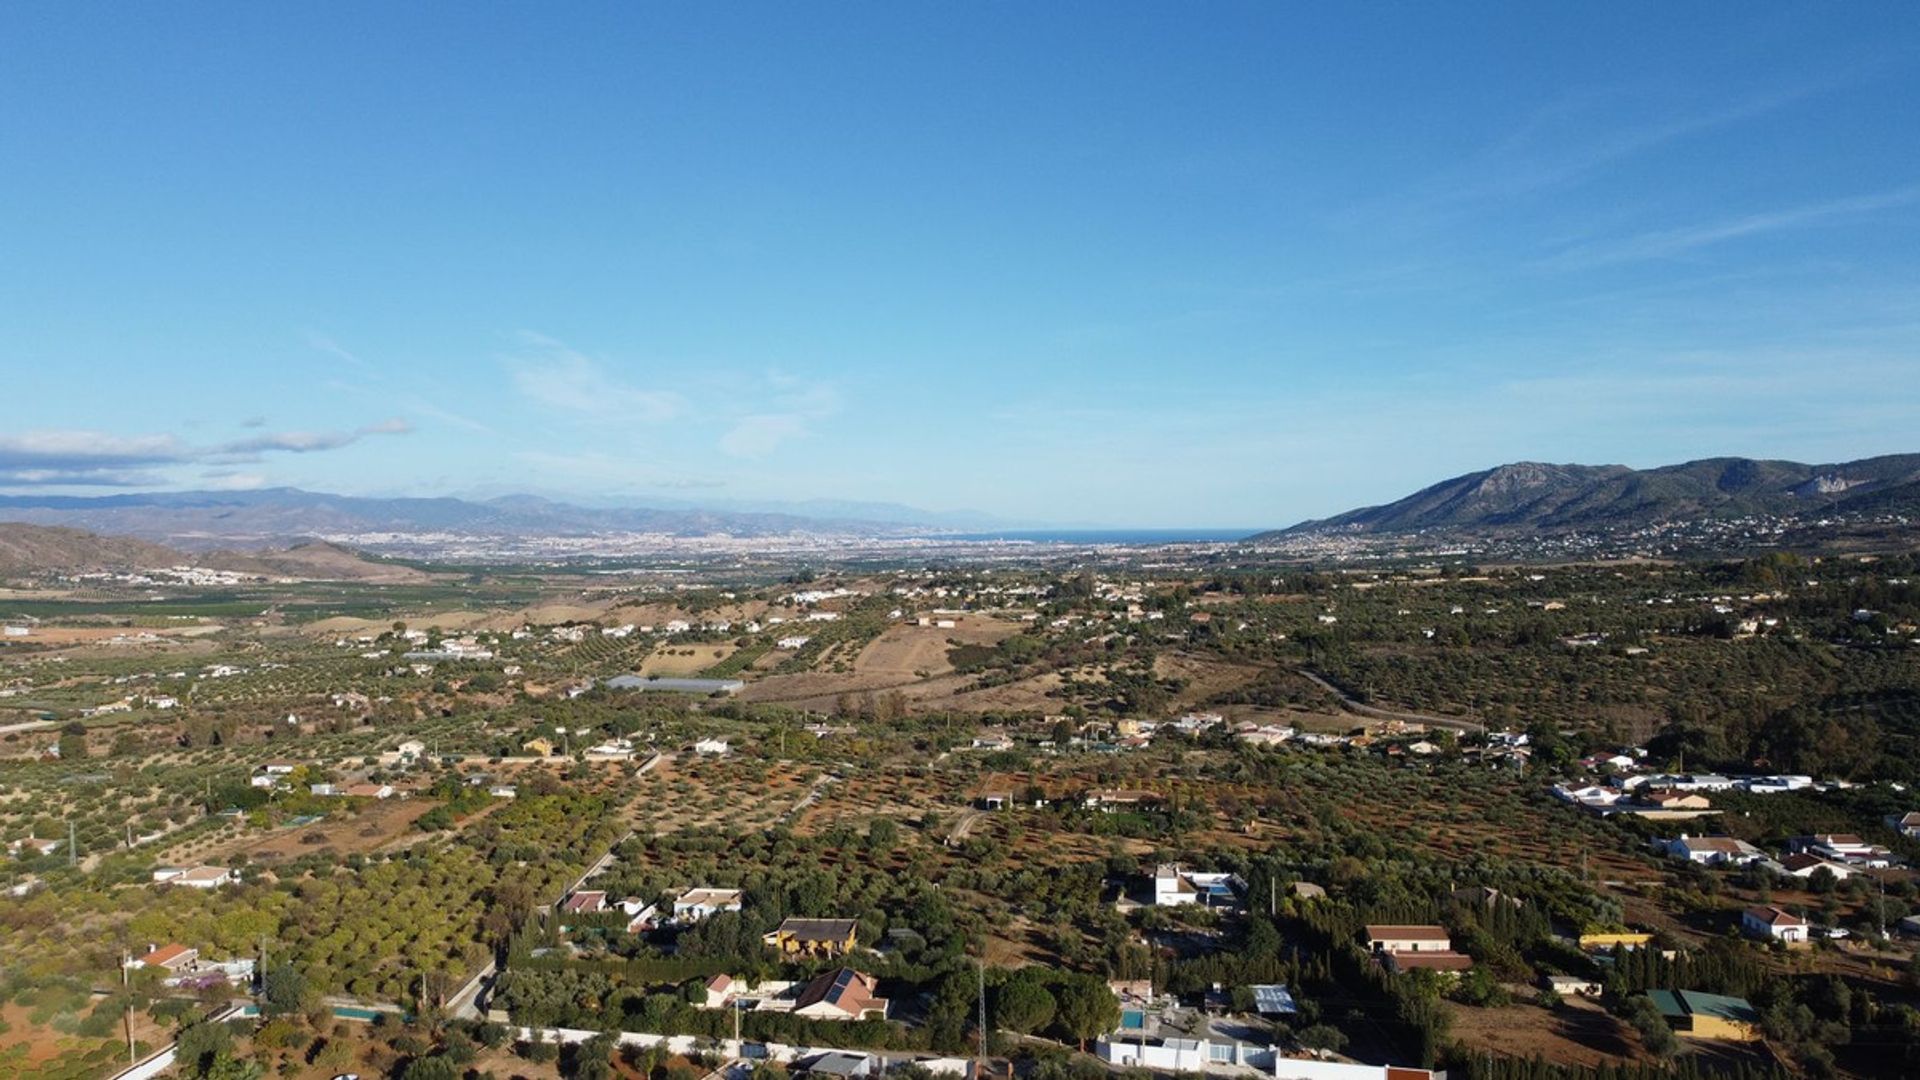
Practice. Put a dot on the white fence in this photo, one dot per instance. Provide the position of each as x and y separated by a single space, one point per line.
149 1068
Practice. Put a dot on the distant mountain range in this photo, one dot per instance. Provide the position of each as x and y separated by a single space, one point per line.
1533 497
279 516
1526 498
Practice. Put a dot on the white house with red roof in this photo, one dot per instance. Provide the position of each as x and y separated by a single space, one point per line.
1907 824
1713 850
172 958
840 995
1770 923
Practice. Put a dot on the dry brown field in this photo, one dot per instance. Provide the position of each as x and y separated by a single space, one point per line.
1578 1032
45 1046
686 659
375 826
907 652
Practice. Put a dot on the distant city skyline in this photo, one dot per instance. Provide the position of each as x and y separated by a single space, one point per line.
1115 265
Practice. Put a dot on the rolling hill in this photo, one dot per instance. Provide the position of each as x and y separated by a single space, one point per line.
33 549
314 561
1535 497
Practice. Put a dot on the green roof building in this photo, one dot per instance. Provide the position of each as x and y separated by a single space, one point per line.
1707 1016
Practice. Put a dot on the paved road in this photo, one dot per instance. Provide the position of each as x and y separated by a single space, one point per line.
1366 710
465 1003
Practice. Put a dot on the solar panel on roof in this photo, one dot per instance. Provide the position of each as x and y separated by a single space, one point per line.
1274 999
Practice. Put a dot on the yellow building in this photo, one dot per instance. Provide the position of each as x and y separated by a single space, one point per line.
813 937
1592 942
540 746
1707 1016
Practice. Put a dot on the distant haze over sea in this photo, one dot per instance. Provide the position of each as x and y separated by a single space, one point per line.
1112 536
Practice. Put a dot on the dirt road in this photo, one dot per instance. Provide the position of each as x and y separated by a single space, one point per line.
1369 711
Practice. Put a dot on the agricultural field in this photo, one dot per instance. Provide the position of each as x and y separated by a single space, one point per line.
405 787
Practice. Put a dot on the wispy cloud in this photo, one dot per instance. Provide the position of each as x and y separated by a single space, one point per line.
89 449
760 435
1530 160
230 480
792 406
71 458
85 458
608 472
330 347
1566 142
448 416
1667 243
552 374
307 442
414 396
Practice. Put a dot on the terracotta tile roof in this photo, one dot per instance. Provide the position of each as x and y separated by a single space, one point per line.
1773 916
1432 961
850 991
169 956
1390 932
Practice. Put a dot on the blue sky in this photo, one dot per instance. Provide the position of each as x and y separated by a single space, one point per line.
1107 263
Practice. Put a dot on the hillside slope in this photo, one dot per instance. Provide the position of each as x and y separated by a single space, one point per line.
315 561
31 550
36 549
1532 496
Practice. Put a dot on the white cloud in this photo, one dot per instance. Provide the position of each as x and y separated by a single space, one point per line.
609 471
83 449
551 374
306 442
302 442
85 458
118 478
77 458
789 406
1670 242
226 480
759 436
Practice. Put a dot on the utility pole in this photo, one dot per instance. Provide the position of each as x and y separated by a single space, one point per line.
73 852
126 961
980 968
